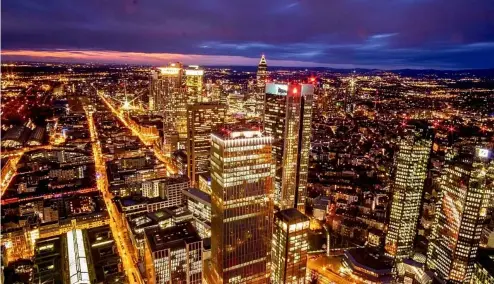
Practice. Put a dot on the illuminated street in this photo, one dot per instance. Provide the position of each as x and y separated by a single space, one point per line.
20 152
16 156
126 251
9 173
145 140
326 267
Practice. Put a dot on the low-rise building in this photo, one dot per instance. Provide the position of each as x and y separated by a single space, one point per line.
199 204
368 265
483 272
173 255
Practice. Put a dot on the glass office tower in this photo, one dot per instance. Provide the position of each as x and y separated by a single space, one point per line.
290 245
168 97
287 118
242 207
466 187
202 119
411 170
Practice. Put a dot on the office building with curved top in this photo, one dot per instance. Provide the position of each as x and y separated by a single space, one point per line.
287 118
466 188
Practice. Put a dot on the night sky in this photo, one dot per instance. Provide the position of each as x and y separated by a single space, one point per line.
445 34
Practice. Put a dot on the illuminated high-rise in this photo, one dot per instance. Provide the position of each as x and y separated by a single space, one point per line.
194 83
290 245
202 119
466 185
262 72
167 96
261 78
411 164
242 208
287 118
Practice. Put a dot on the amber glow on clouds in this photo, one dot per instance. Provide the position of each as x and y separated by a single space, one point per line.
105 56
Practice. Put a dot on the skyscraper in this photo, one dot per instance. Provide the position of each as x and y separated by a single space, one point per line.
262 72
167 96
173 255
350 94
194 83
466 186
242 208
411 170
261 78
202 119
287 118
290 245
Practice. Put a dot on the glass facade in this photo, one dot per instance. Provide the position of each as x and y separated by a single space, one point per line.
466 187
199 204
411 170
169 98
242 207
194 83
78 263
202 119
289 247
287 118
262 77
174 255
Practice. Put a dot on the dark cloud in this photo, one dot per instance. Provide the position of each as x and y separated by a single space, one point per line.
387 33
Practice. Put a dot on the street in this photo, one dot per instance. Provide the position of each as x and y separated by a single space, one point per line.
326 266
125 249
145 140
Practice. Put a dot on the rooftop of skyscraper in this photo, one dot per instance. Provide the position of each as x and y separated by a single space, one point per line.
176 236
238 132
211 105
370 259
198 195
291 216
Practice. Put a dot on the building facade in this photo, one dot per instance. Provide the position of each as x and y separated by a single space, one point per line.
411 164
199 204
173 255
287 118
242 207
483 272
168 97
290 245
194 77
202 119
80 271
261 79
465 195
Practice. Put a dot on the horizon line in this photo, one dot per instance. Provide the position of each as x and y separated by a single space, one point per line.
105 57
4 62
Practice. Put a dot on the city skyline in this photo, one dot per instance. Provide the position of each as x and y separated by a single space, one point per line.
389 35
247 142
215 175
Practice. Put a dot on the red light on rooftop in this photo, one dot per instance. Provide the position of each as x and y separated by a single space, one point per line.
294 90
312 79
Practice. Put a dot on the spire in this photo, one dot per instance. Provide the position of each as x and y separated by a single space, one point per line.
263 61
